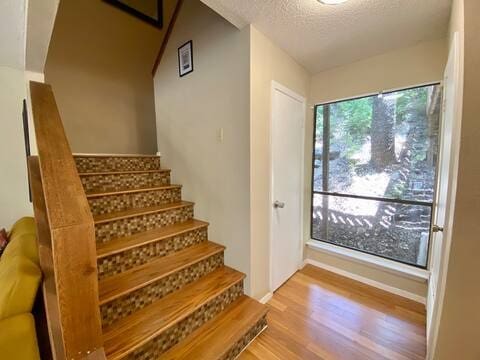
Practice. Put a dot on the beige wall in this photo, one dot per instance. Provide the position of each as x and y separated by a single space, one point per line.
219 176
268 63
40 21
459 333
420 64
14 201
99 64
188 135
192 110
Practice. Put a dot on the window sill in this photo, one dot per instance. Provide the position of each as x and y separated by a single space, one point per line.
371 260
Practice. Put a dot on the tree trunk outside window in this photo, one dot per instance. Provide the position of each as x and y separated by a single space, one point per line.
383 133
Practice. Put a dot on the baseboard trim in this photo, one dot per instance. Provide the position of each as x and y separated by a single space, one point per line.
394 267
266 298
367 281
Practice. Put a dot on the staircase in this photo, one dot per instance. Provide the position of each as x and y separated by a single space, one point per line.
164 291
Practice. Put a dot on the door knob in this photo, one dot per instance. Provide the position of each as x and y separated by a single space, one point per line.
278 204
436 228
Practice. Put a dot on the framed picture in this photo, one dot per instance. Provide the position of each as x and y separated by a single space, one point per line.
150 11
185 59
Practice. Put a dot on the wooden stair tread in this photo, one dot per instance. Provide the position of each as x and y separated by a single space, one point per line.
118 245
102 218
122 172
130 190
133 331
78 155
215 338
118 285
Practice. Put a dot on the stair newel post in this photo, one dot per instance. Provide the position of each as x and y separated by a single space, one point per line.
66 237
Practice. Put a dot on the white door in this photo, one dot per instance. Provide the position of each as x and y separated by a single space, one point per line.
288 115
448 160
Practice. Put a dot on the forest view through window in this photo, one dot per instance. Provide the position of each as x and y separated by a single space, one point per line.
374 173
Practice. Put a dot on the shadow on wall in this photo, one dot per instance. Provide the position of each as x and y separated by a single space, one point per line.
99 64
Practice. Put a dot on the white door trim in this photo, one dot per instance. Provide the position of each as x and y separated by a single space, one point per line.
432 331
279 87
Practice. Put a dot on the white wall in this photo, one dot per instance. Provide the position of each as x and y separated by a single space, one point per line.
423 63
14 200
12 30
268 63
192 110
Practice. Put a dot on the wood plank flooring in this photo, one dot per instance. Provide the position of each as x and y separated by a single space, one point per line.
320 315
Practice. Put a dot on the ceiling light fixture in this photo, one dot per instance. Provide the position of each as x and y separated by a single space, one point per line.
332 2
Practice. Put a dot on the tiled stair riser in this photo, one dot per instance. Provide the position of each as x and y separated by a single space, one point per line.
154 348
120 202
105 163
113 182
128 259
142 173
123 227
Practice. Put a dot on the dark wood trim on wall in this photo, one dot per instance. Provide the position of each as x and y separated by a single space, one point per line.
171 25
26 136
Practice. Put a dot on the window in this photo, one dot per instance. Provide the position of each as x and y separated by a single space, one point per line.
374 170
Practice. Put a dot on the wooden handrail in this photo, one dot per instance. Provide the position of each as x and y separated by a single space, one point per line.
66 237
171 25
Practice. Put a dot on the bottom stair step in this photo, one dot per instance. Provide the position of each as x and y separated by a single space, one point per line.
157 327
225 336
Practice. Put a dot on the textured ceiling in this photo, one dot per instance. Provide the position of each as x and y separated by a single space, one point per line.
321 37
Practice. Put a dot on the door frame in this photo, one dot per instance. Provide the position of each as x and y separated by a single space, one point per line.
456 51
275 86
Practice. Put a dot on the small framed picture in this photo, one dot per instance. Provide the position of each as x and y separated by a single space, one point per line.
185 59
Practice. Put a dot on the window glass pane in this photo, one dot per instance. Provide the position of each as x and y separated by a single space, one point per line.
383 146
390 230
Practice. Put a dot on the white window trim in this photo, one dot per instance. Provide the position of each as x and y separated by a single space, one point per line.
391 266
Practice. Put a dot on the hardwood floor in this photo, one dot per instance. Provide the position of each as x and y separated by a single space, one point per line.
320 315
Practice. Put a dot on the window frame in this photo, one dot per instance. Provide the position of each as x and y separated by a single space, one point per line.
323 192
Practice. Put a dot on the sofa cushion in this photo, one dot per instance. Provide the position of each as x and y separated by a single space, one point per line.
19 279
25 225
23 240
18 340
